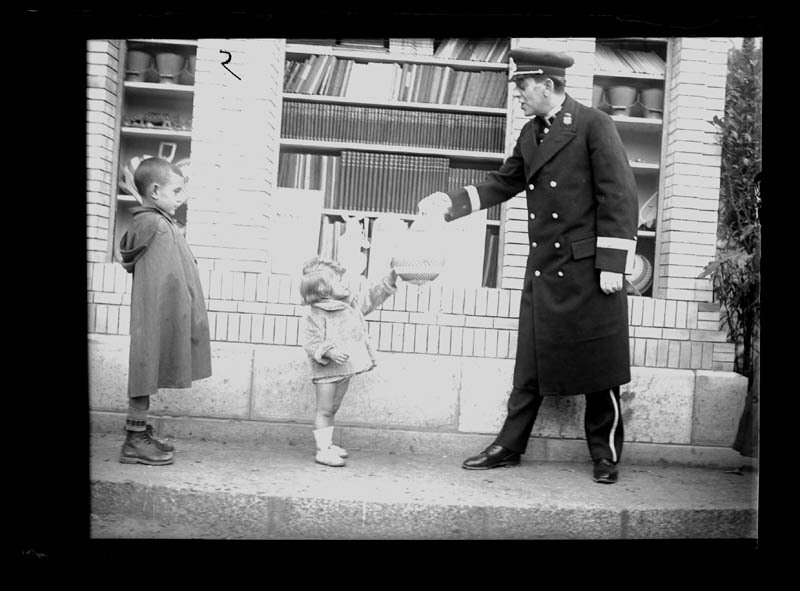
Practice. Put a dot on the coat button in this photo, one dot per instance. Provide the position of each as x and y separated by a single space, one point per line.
555 216
553 183
557 245
561 273
547 130
533 216
537 273
534 245
530 187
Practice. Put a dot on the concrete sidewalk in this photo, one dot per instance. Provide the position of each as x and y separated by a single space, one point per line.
240 490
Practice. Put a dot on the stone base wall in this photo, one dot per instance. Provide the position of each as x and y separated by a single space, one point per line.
425 392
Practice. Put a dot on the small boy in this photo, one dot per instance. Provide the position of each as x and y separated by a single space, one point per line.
170 345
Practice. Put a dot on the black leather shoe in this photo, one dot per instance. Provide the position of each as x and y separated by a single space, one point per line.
605 471
493 456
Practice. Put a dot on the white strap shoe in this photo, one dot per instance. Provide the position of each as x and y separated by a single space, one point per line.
329 457
340 450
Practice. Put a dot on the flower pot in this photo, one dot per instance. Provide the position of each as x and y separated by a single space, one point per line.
621 96
187 74
169 67
652 98
597 95
137 65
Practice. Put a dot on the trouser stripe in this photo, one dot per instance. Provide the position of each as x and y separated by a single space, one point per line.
613 427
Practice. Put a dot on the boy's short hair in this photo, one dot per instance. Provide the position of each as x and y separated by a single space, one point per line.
315 285
151 171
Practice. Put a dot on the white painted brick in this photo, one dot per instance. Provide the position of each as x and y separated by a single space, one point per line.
280 330
513 273
457 341
397 337
502 344
420 339
515 250
458 300
268 335
637 307
516 238
509 283
468 341
479 321
469 300
385 342
280 309
433 340
292 330
503 302
445 336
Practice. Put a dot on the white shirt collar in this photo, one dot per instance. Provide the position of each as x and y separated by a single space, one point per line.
557 108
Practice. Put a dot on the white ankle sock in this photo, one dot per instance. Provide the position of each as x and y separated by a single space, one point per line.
323 437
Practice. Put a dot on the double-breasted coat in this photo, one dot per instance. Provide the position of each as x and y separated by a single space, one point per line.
170 343
582 219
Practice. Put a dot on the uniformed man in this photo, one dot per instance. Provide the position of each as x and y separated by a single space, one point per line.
582 218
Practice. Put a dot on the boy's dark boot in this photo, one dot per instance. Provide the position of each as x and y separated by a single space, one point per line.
140 448
160 443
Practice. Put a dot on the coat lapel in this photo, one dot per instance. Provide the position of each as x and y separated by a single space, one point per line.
562 132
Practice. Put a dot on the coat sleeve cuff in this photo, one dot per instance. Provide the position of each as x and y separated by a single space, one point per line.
320 351
615 254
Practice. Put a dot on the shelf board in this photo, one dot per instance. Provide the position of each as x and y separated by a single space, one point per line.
376 214
316 98
192 42
645 166
423 151
628 74
638 122
368 214
376 56
156 133
150 89
646 234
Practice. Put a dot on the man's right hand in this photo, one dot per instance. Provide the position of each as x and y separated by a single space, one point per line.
437 203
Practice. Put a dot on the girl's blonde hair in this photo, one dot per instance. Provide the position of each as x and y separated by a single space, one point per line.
315 285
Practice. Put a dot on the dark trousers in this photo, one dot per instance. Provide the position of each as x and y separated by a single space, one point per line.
602 422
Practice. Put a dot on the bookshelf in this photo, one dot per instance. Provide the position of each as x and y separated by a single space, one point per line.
157 100
630 78
377 128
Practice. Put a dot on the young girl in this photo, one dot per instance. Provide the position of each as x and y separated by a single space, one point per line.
336 341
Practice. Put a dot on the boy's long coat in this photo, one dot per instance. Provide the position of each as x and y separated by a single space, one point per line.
170 344
582 214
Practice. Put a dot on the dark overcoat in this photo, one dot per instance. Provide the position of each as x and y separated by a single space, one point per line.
582 214
170 344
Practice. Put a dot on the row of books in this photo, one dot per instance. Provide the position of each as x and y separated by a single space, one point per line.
481 50
367 181
327 75
395 127
609 59
332 229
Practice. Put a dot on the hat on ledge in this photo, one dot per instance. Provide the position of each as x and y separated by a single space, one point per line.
530 62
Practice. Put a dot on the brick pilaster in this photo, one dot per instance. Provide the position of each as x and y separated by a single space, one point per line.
235 147
102 121
691 167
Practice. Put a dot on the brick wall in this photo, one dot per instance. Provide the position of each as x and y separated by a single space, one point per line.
102 122
250 307
687 229
235 145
